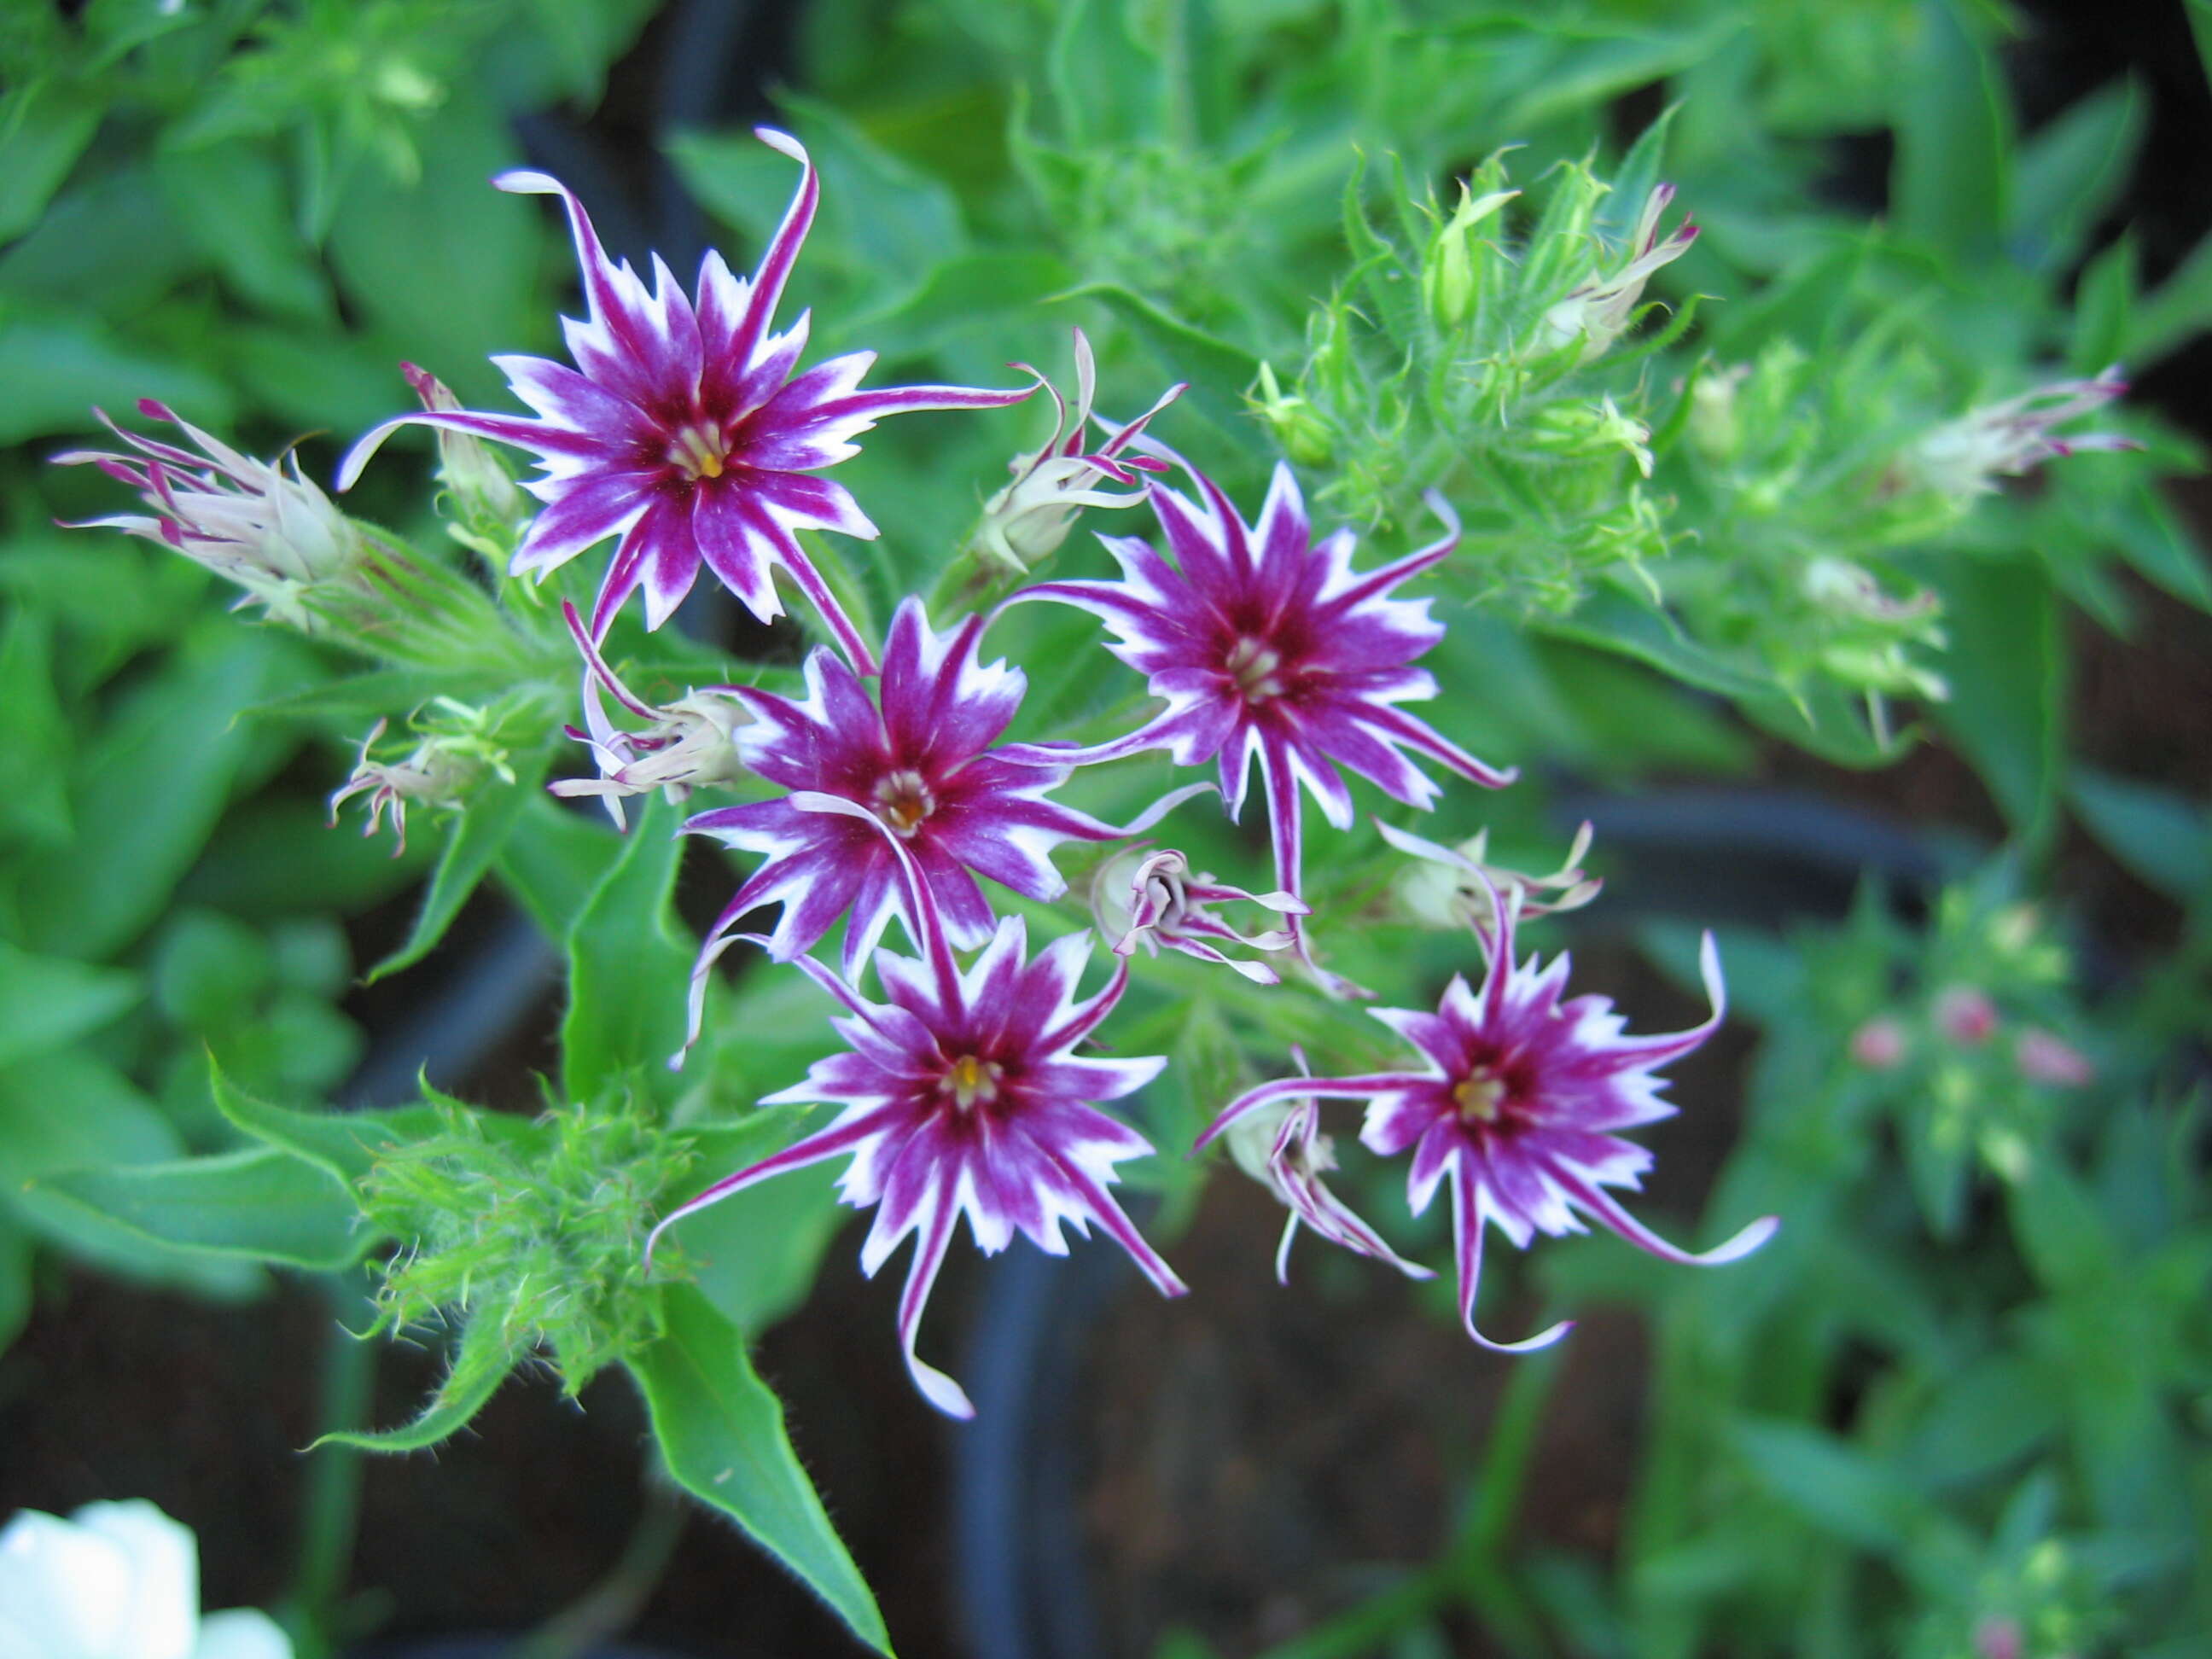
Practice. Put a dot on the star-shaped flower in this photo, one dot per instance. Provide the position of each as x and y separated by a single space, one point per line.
1268 645
963 1092
1518 1101
681 431
916 761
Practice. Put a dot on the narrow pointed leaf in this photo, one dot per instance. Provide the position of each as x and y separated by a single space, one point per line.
261 1205
627 969
480 1365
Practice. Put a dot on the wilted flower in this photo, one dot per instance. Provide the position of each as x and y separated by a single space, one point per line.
1281 1147
965 1093
1517 1102
454 754
263 526
918 761
1030 518
1598 312
1965 457
683 745
684 432
115 1581
1451 887
1268 645
1152 898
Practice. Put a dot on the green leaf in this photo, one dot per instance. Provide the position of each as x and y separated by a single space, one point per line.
48 1002
343 1145
2176 312
68 1110
554 863
757 1250
2007 669
628 969
480 1365
1986 1414
473 841
2104 309
260 1205
16 1262
44 128
1830 1483
1616 622
2071 170
230 201
967 291
2162 836
722 1432
1949 185
57 368
148 790
34 761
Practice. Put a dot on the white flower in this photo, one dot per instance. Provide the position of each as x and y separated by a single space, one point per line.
115 1581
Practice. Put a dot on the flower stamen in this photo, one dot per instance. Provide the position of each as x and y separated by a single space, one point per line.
904 801
1252 665
972 1082
698 450
1479 1096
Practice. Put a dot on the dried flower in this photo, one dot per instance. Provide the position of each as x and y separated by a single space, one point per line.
1452 886
1517 1102
684 432
454 754
1150 898
962 1092
1965 457
684 745
1281 1147
1598 311
1031 518
265 527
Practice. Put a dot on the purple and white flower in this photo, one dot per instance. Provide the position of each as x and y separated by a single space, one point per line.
916 760
1149 897
457 751
681 431
1281 1147
1518 1102
1029 520
683 745
1268 646
963 1092
265 527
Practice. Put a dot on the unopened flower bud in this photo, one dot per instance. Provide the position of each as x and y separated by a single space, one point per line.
258 524
1592 431
2044 1058
1965 1015
1715 427
1449 279
1848 590
484 489
1999 1638
1879 1045
1299 428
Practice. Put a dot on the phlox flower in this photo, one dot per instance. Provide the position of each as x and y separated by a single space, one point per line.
917 761
1965 457
683 431
1267 646
1518 1102
962 1092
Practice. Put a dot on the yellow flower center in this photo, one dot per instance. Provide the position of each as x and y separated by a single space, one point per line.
1252 664
903 801
698 450
1479 1094
972 1082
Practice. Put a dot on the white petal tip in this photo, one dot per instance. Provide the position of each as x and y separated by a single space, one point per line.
784 144
528 181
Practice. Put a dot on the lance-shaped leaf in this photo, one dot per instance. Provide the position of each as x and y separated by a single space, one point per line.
261 1205
722 1432
480 1365
473 841
628 970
